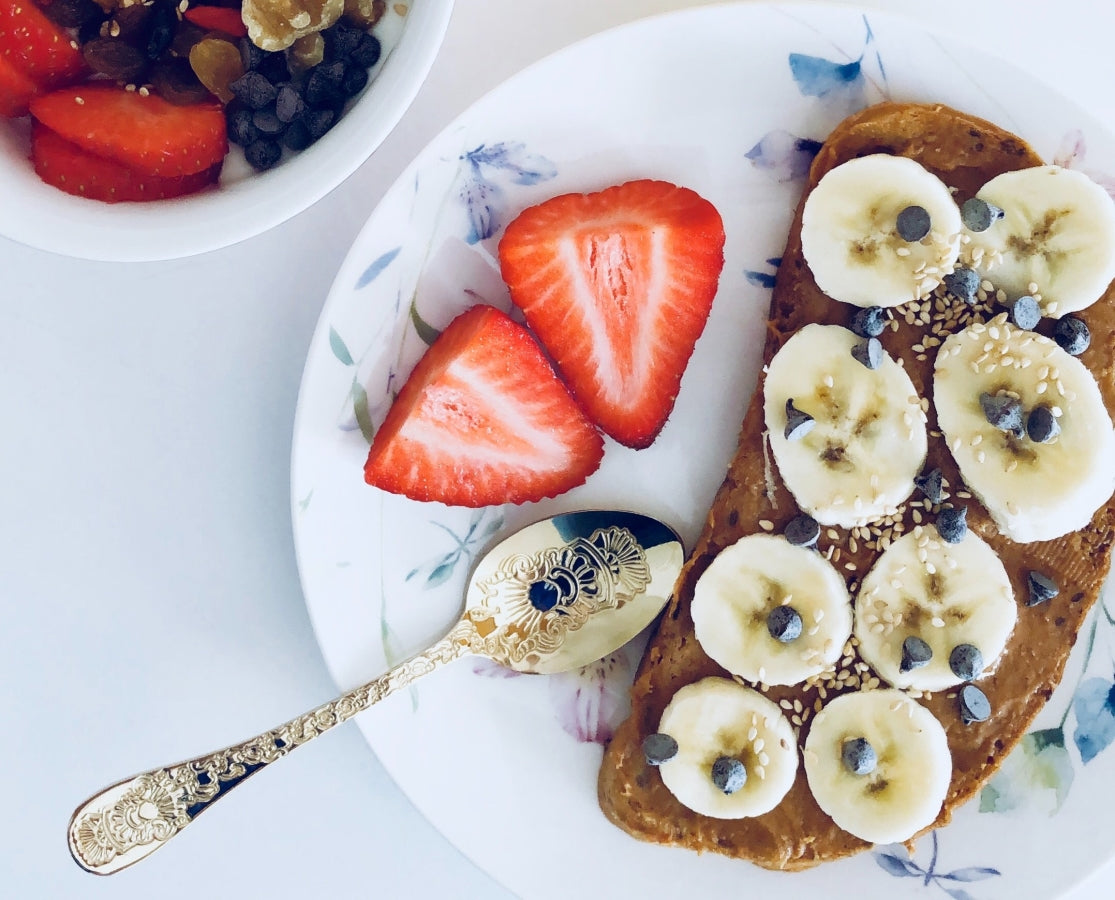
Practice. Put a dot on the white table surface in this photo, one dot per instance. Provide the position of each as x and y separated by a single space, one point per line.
151 604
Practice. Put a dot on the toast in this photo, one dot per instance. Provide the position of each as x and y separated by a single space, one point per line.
965 153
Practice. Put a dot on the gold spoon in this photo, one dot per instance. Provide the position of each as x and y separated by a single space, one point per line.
553 596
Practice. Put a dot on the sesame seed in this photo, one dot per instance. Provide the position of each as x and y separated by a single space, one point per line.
764 759
766 525
937 622
80 101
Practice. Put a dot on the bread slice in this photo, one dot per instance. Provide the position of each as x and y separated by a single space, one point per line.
965 152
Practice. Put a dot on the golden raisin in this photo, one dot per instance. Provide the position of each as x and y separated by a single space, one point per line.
306 52
217 64
364 13
276 24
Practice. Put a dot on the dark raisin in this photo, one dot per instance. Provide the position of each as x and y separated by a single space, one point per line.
367 51
174 80
263 154
185 37
132 22
162 24
115 58
91 29
268 123
72 13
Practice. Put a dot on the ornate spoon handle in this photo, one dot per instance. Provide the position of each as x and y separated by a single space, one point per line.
132 819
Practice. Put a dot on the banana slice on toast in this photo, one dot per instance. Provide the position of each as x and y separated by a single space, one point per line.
856 462
720 724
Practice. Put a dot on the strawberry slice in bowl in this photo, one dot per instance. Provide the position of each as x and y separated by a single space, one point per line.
483 420
617 285
42 50
68 167
143 132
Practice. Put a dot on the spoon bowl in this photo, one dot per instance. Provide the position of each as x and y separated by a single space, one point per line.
555 595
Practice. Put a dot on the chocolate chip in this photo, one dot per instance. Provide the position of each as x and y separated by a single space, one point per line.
802 531
930 484
323 87
1072 335
966 662
915 654
263 154
367 50
798 423
354 80
1025 313
913 223
784 624
978 215
289 104
952 524
868 353
870 321
728 774
253 90
659 748
974 705
1004 412
963 283
859 756
1042 425
267 123
1041 588
240 128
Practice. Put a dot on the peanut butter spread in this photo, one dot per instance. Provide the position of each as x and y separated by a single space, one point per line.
965 153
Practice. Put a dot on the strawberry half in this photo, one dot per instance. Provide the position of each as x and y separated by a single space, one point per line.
483 420
618 285
66 166
38 47
144 133
16 89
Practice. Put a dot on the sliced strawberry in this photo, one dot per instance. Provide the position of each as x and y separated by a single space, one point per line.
618 285
65 165
16 89
217 18
145 133
43 50
483 420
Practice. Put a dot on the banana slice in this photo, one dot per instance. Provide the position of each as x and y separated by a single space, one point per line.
714 719
946 595
868 441
771 612
901 790
1034 490
851 238
1058 233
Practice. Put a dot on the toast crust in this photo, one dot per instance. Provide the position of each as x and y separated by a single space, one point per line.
965 152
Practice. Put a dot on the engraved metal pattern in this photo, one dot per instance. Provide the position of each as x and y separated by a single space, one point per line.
603 571
130 820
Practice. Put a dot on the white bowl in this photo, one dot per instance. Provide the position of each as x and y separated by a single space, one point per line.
246 203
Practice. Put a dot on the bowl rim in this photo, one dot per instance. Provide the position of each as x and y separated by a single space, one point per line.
42 217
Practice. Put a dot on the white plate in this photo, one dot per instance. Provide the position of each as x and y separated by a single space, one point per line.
717 99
